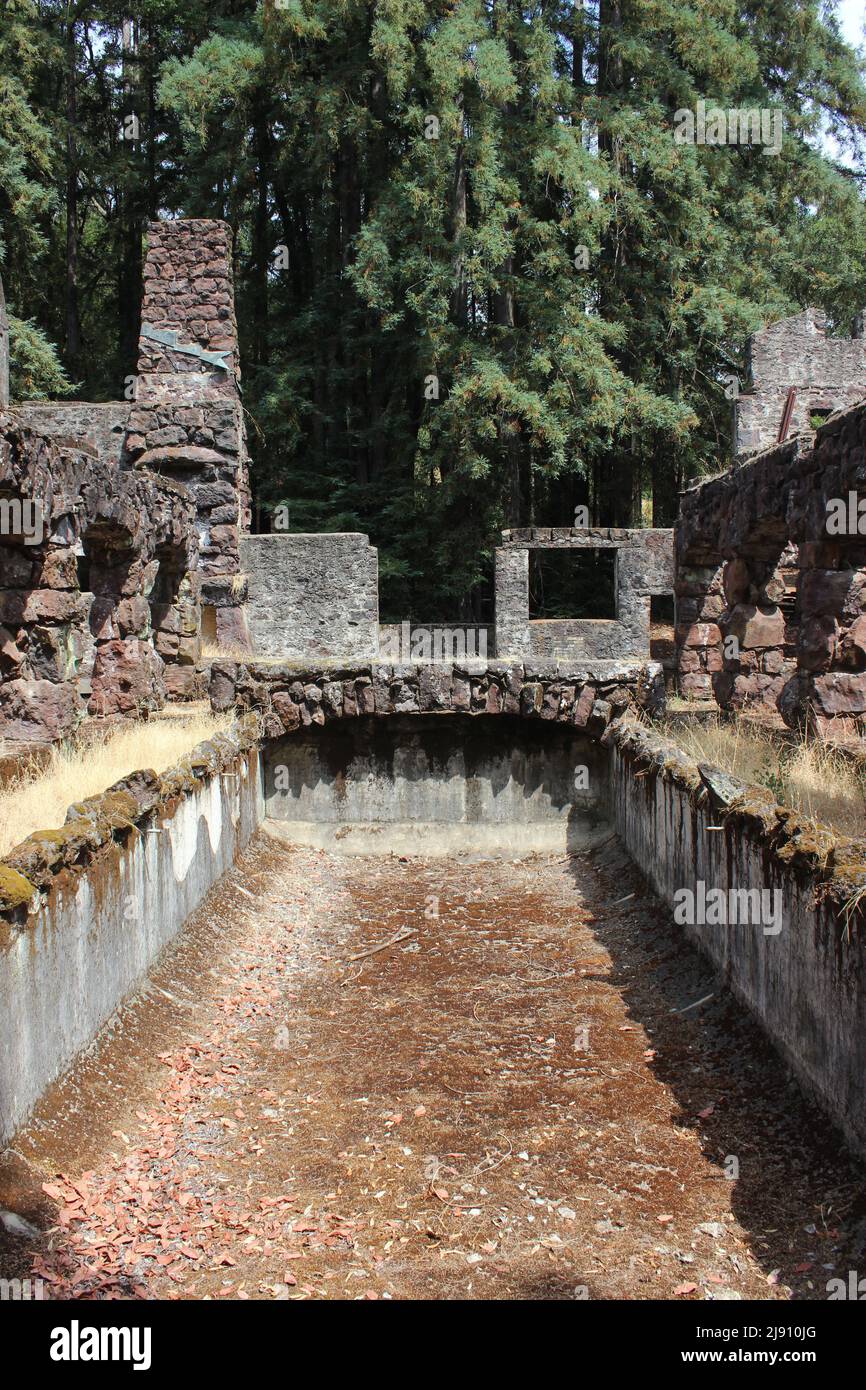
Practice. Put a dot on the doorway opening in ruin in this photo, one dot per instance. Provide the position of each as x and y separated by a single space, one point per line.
572 583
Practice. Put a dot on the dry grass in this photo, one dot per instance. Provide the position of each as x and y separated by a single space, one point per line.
818 781
38 796
215 651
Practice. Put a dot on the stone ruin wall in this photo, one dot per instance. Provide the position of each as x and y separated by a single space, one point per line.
98 598
644 569
827 374
142 504
312 597
756 561
98 426
147 510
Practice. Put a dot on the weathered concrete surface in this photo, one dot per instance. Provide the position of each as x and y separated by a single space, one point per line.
87 909
437 786
806 982
312 597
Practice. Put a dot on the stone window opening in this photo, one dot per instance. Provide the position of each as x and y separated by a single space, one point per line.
572 584
662 609
209 625
662 642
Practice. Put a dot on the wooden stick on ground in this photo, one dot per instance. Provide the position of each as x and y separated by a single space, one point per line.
401 936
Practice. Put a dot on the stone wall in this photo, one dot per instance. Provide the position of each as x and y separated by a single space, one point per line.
828 374
97 426
644 567
312 597
102 616
759 561
186 420
98 593
288 697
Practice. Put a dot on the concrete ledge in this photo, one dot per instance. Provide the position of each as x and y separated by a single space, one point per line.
806 983
87 909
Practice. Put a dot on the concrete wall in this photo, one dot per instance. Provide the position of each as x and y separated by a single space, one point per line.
806 985
312 596
437 786
67 966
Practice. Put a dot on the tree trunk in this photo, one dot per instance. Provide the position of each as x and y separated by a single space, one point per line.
459 305
261 246
619 488
73 324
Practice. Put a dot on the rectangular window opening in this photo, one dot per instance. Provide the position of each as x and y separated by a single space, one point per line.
573 583
208 624
662 608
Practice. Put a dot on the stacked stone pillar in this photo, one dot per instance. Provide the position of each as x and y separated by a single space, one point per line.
187 421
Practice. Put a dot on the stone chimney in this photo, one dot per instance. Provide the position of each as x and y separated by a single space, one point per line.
187 420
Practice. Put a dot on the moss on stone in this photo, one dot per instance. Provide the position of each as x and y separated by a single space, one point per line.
756 808
15 890
44 853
